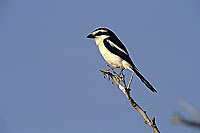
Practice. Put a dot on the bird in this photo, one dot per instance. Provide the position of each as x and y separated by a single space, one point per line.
115 53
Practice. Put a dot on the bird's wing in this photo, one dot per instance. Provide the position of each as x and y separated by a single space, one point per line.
118 49
118 44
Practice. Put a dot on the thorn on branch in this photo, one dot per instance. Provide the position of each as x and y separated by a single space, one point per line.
154 121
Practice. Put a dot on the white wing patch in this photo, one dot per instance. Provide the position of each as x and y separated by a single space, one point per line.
114 45
95 32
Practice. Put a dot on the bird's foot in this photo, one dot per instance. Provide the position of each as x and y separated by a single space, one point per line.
106 74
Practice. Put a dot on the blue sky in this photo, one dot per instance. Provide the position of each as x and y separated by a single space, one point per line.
49 73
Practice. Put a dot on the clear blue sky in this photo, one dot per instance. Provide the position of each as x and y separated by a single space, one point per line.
49 73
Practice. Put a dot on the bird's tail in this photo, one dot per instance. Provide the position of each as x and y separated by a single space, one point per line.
148 85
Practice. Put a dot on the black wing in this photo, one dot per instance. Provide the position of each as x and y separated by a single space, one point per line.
117 42
123 53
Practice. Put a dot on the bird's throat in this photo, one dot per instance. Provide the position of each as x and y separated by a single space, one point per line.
98 41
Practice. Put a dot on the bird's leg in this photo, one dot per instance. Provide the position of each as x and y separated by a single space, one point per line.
111 69
120 72
107 72
129 84
115 74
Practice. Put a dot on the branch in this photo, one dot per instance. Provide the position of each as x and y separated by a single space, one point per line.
184 121
180 119
116 79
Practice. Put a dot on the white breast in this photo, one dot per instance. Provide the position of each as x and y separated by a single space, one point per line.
111 58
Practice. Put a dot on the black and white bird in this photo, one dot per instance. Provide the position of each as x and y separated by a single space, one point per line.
115 53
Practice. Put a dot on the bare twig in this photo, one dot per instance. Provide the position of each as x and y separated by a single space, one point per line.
184 121
193 111
126 91
180 119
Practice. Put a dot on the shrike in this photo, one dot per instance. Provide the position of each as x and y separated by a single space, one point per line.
115 53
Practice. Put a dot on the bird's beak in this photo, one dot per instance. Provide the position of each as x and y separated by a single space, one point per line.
90 36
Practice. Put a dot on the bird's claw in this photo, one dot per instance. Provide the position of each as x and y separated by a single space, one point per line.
106 74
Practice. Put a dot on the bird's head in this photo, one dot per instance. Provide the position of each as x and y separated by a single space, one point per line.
101 33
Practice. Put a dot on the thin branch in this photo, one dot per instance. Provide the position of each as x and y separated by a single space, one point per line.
126 91
193 111
180 119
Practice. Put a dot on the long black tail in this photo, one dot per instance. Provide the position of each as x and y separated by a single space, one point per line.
144 80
